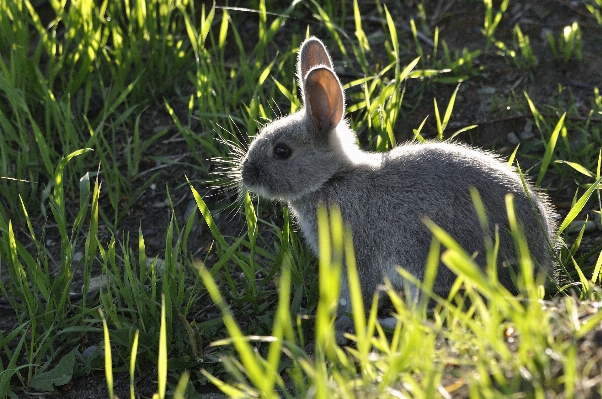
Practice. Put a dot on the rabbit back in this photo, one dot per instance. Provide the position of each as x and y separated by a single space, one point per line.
384 204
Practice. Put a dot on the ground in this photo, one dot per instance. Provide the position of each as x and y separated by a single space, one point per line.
486 100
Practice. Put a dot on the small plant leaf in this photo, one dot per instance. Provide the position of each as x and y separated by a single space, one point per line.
60 375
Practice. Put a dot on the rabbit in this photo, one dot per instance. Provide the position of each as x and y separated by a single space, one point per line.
311 158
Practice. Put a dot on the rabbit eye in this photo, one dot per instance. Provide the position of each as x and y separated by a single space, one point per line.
282 151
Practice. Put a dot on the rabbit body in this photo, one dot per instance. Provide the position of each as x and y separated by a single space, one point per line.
385 204
311 158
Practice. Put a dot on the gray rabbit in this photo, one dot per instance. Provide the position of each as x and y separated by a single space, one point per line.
312 158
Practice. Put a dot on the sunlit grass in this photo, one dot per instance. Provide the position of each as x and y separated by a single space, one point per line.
250 314
567 46
421 352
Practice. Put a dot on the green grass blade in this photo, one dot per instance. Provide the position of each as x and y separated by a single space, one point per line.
438 119
450 107
181 387
12 369
585 286
578 167
462 264
59 196
524 256
585 326
596 275
408 69
330 238
417 135
207 216
162 360
108 357
551 145
540 121
578 207
253 368
133 356
282 326
362 39
392 32
512 156
357 302
230 390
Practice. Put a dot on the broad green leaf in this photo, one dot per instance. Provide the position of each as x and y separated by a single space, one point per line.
60 375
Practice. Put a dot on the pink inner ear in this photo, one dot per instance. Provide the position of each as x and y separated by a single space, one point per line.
320 106
324 96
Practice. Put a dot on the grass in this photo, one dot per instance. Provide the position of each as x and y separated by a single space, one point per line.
250 315
568 45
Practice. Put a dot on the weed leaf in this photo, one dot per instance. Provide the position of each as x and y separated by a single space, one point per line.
60 375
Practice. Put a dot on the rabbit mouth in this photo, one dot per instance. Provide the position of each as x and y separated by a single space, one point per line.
262 190
253 184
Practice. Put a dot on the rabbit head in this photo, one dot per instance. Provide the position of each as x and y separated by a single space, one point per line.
297 154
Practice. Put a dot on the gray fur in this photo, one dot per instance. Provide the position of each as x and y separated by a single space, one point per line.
384 197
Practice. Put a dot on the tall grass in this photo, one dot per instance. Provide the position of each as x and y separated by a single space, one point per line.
38 285
466 344
76 81
249 314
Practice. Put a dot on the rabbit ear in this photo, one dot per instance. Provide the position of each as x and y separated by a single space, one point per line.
312 54
324 98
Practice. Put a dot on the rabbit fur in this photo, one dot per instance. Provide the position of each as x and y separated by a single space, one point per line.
311 158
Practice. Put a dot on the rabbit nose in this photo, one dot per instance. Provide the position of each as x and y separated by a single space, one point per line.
249 171
245 165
